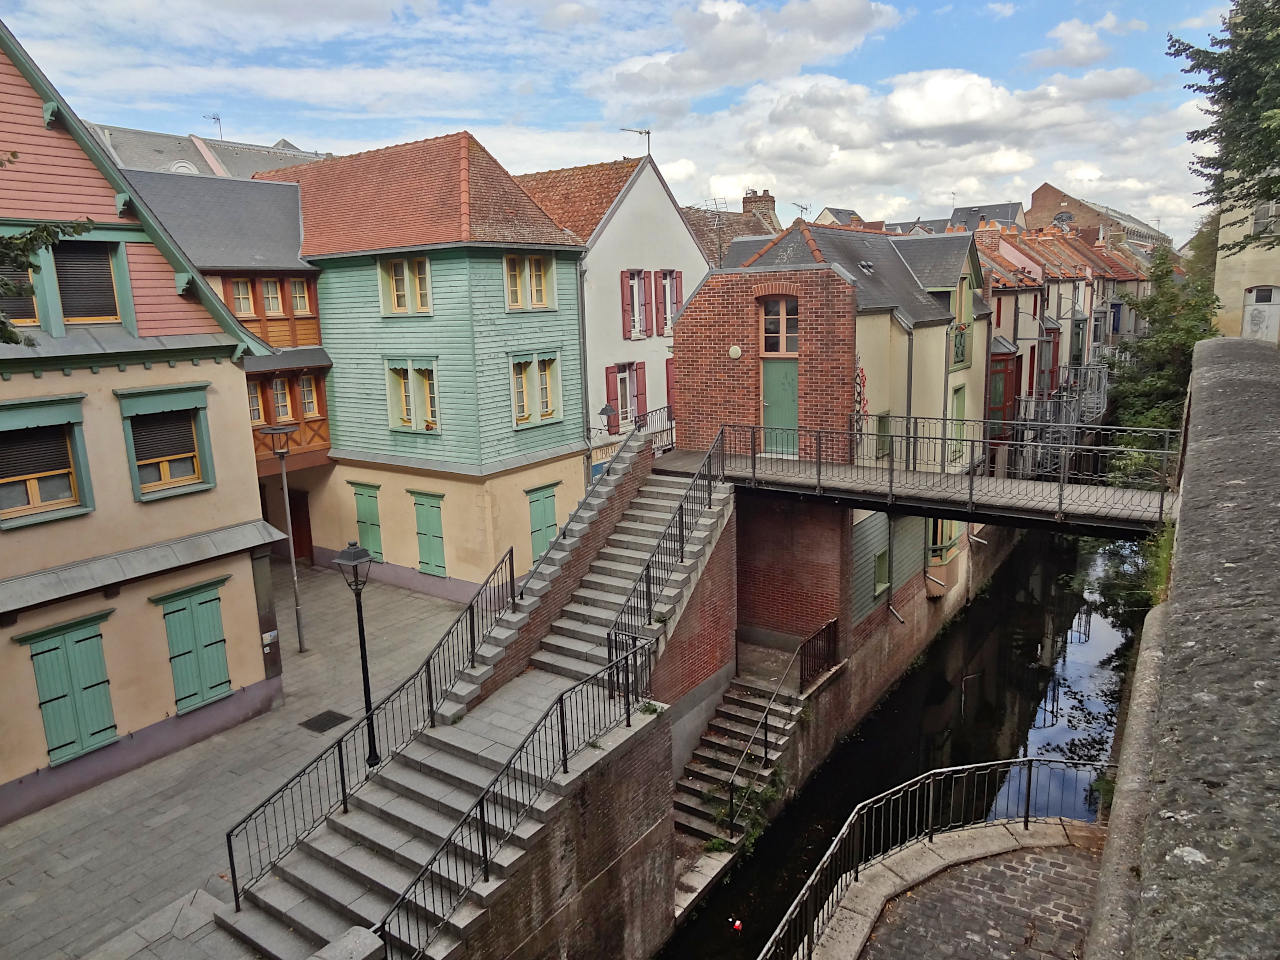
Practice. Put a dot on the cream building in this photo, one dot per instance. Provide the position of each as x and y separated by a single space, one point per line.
1248 282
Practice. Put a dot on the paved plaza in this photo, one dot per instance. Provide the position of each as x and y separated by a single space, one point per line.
85 870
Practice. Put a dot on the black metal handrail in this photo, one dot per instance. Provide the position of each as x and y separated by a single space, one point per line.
816 654
636 613
953 798
275 826
578 717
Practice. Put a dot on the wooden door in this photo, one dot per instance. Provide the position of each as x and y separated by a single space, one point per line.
780 385
300 515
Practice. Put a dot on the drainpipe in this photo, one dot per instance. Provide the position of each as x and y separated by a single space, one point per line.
911 362
582 366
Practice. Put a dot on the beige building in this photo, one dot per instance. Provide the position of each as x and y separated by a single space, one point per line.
135 610
1248 282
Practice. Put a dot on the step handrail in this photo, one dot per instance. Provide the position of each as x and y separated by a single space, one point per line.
824 637
896 819
277 824
574 720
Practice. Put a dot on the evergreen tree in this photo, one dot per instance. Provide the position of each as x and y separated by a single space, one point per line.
1201 262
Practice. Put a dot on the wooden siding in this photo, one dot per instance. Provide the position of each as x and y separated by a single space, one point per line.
161 311
52 179
910 542
870 536
286 330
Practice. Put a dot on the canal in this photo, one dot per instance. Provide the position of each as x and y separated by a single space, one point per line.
1031 668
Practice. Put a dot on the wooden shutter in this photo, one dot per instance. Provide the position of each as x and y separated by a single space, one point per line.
648 303
211 644
677 297
84 279
184 662
197 649
17 307
75 698
671 385
158 435
611 396
642 390
660 305
626 304
368 529
34 450
430 534
53 687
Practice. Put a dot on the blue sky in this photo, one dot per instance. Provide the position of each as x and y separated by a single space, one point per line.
885 107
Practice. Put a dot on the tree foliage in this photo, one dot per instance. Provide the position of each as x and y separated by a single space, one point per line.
1150 387
1201 261
1239 75
18 255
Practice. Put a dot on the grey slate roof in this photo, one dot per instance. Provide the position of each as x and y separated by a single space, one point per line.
938 260
888 284
97 573
291 358
225 223
1000 345
980 307
105 339
742 249
906 226
970 217
177 153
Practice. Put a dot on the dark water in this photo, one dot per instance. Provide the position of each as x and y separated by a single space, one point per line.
1029 669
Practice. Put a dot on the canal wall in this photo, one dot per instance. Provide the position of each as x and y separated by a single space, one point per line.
1200 828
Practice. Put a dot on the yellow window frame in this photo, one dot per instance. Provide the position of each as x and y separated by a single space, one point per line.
404 394
520 381
545 407
296 288
276 384
35 504
537 282
35 308
307 395
267 296
236 297
398 286
255 399
515 295
428 397
115 295
422 284
166 480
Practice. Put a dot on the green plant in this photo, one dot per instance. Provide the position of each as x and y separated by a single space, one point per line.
1157 552
651 708
594 744
718 845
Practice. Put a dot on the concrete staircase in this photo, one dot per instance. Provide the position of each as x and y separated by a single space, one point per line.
701 795
349 870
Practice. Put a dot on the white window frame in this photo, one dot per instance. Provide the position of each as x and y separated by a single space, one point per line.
635 278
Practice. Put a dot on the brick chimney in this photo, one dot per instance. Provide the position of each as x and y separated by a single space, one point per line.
761 204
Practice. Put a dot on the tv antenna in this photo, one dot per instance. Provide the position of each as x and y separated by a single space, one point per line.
216 118
644 133
804 210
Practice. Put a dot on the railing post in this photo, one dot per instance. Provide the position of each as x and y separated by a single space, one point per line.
753 455
511 575
431 696
857 847
915 442
680 529
972 470
891 445
484 839
648 592
471 624
1026 808
1062 478
235 885
626 690
564 736
818 455
932 780
1165 473
342 776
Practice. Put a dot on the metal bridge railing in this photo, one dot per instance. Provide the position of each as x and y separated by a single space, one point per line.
1016 792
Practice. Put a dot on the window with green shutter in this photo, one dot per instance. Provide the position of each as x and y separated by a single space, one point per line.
72 686
542 518
368 527
197 644
426 508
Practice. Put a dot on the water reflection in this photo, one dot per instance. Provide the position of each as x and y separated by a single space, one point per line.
1031 669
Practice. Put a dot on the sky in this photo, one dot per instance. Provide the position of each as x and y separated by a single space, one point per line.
891 109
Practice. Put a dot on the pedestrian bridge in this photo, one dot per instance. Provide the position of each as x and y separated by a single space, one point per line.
1074 477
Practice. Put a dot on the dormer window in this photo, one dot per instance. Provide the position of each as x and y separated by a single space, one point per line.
85 285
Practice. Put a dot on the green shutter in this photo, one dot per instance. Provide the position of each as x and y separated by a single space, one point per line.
183 662
74 694
368 529
53 686
211 645
197 650
542 518
426 508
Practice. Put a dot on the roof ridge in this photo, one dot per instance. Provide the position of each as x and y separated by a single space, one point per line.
265 174
464 185
580 166
813 244
767 247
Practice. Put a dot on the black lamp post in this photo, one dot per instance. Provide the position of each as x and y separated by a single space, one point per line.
279 436
354 562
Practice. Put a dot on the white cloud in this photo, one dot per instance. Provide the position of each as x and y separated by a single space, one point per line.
1211 18
1001 10
1080 44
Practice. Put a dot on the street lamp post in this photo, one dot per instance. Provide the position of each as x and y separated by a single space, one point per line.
280 447
354 562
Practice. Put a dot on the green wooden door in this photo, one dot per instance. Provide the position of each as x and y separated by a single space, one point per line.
368 527
426 508
197 649
542 518
75 695
780 381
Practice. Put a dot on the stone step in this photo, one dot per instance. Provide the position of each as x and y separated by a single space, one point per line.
614 568
601 599
270 937
741 730
295 908
584 650
645 529
765 692
360 904
783 711
653 506
607 584
736 745
748 715
590 613
639 542
660 490
558 663
471 775
596 633
729 760
636 558
716 778
698 827
696 803
458 741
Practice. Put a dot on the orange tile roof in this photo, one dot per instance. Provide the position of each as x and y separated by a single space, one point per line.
1010 274
446 189
577 198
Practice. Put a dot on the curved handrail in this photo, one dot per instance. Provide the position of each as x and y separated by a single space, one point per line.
822 634
897 819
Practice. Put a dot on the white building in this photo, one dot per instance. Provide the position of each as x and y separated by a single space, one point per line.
641 258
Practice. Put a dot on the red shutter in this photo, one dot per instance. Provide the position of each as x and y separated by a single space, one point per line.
677 298
642 390
671 386
626 306
648 303
999 309
660 307
611 394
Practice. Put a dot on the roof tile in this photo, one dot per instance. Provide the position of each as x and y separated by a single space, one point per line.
577 198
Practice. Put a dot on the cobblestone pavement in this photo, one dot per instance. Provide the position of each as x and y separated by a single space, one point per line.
1031 904
82 871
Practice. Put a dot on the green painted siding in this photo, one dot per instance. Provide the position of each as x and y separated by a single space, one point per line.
542 518
426 508
75 695
469 337
910 542
197 649
368 525
870 536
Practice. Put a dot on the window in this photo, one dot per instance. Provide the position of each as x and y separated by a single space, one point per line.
634 304
535 388
670 296
781 326
85 284
537 282
957 445
281 403
166 432
18 308
427 513
242 298
271 298
255 401
1262 295
514 298
399 291
943 538
411 394
36 470
626 392
1266 217
542 518
197 644
882 572
959 345
520 388
545 406
368 527
72 686
307 391
422 284
883 434
301 297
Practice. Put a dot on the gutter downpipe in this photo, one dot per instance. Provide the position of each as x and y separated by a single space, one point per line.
582 366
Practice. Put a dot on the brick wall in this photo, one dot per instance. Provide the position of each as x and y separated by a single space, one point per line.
703 640
789 563
726 312
572 569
